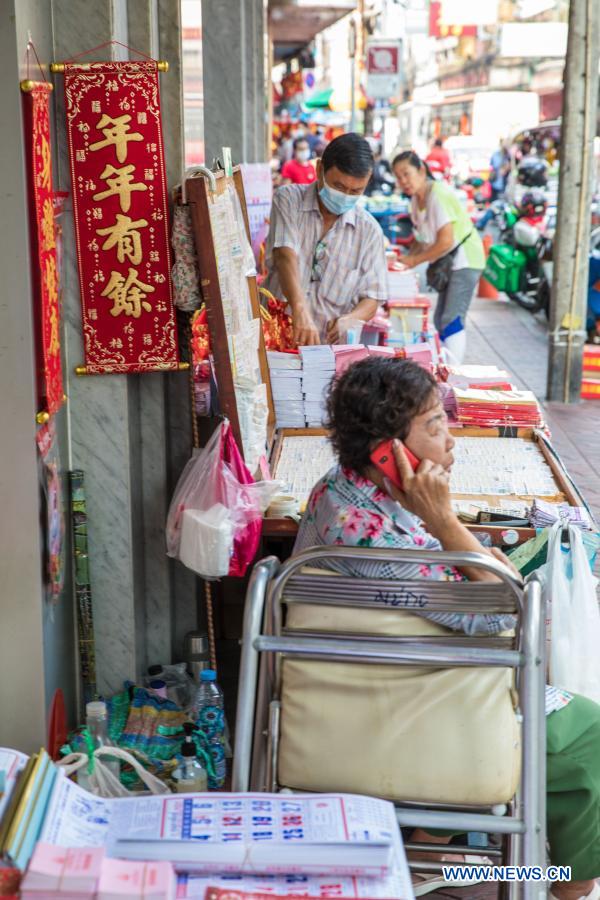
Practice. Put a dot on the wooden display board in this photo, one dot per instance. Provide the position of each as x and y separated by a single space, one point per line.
497 533
214 258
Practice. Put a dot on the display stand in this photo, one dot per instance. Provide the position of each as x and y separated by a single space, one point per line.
218 255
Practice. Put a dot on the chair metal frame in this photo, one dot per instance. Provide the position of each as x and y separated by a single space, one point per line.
265 640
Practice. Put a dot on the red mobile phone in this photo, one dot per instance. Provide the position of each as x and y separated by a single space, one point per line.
383 458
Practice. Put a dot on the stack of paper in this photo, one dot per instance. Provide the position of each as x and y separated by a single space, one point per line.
85 873
480 377
11 763
60 872
317 834
285 370
127 880
347 354
24 814
318 368
402 284
448 402
381 351
494 407
544 514
422 353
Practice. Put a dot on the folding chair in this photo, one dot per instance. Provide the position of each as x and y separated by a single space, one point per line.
319 630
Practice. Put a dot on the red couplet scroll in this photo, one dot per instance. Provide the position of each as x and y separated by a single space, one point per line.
36 115
121 217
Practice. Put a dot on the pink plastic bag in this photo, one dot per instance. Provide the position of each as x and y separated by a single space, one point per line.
247 536
217 486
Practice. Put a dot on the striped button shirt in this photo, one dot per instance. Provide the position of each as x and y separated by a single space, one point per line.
346 509
335 273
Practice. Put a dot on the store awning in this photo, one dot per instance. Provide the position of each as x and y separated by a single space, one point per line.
338 101
295 23
320 100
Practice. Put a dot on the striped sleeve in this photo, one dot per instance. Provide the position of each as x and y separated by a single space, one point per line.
373 278
284 222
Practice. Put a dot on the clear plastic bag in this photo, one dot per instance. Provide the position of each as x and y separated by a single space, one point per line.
214 520
102 782
180 686
574 618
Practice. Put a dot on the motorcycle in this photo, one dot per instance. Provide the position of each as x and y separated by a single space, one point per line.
516 264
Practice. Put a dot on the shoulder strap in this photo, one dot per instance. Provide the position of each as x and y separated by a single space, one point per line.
466 238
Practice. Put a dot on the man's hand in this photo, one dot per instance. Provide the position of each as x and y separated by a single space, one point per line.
305 330
333 332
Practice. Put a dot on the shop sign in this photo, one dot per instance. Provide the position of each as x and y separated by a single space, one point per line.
121 220
439 29
383 69
458 12
36 104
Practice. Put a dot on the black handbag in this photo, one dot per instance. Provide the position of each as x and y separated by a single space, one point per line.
439 271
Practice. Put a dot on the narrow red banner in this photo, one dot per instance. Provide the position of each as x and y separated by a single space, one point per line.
121 217
36 115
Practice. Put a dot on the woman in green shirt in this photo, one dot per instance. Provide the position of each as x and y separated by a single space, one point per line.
442 225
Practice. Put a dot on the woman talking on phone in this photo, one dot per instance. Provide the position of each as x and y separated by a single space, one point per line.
448 241
382 406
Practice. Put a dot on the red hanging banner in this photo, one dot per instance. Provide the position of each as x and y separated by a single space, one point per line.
121 218
36 115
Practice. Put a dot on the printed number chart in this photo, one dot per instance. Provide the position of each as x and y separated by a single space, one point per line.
501 467
301 461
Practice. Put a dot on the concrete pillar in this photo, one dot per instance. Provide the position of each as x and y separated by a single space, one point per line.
120 424
22 675
235 78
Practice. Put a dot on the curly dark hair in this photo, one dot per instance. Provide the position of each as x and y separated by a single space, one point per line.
374 400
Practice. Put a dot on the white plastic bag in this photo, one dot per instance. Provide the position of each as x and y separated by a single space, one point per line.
102 782
574 658
220 507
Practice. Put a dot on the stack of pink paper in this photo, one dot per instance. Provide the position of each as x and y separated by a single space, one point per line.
483 378
346 354
382 351
423 353
490 408
61 872
129 880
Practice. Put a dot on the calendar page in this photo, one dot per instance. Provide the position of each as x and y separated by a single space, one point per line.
302 461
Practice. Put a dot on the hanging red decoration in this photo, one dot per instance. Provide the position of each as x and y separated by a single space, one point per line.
121 217
45 275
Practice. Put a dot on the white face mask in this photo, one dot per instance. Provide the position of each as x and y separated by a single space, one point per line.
303 155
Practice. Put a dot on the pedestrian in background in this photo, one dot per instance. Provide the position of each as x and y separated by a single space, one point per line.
500 166
299 170
444 232
438 158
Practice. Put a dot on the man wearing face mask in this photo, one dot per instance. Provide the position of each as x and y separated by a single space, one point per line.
299 169
325 255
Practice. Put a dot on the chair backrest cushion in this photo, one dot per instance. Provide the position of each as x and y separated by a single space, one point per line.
399 732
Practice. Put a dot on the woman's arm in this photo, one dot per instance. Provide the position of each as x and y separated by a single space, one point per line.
444 242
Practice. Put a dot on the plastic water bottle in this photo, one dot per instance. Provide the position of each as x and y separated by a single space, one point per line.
208 710
96 716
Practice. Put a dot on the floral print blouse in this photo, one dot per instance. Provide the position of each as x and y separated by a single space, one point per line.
345 509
